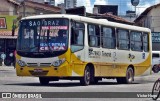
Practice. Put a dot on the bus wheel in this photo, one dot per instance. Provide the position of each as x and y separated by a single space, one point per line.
129 76
128 79
155 69
85 80
43 80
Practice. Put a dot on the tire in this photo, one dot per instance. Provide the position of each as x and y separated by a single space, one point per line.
156 90
129 76
43 80
94 80
128 79
7 62
86 79
155 69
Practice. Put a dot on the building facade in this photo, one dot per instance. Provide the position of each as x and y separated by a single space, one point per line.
8 14
70 3
9 7
28 8
150 18
50 2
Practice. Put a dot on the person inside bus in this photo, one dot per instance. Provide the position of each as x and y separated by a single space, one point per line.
93 41
76 39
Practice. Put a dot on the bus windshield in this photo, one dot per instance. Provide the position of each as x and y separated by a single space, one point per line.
43 35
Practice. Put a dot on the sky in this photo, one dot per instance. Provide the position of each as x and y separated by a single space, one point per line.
123 5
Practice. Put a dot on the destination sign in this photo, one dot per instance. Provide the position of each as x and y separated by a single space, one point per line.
58 23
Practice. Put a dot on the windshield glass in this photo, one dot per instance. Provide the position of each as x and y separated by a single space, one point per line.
43 35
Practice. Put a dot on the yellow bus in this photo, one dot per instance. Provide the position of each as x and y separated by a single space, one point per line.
61 46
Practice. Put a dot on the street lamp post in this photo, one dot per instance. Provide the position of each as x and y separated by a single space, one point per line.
24 8
135 3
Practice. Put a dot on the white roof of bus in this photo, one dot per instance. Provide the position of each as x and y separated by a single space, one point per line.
156 52
89 20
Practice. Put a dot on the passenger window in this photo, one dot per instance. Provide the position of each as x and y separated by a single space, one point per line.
93 35
136 41
123 39
77 36
145 42
108 38
155 55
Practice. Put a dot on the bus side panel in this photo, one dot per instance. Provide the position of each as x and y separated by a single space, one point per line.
77 63
113 70
144 68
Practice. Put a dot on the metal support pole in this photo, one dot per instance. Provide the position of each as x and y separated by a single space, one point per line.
24 8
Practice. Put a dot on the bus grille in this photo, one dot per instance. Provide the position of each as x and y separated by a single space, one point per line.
38 64
43 73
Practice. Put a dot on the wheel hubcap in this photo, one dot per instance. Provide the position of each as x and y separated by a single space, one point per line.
130 76
87 77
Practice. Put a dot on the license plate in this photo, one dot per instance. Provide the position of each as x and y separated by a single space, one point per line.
37 70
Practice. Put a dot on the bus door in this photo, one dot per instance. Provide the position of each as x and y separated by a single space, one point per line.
77 47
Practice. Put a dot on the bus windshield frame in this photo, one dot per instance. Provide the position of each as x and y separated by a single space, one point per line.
45 37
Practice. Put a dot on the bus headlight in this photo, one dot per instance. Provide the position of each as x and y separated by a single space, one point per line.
21 63
58 62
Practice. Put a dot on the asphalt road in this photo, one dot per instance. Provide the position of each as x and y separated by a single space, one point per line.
9 82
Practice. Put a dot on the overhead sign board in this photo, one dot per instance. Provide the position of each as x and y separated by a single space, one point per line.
156 37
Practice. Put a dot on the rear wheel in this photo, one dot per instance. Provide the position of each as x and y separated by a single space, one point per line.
43 80
155 69
129 77
85 80
7 62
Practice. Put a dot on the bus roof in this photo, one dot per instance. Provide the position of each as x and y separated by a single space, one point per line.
89 20
156 52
